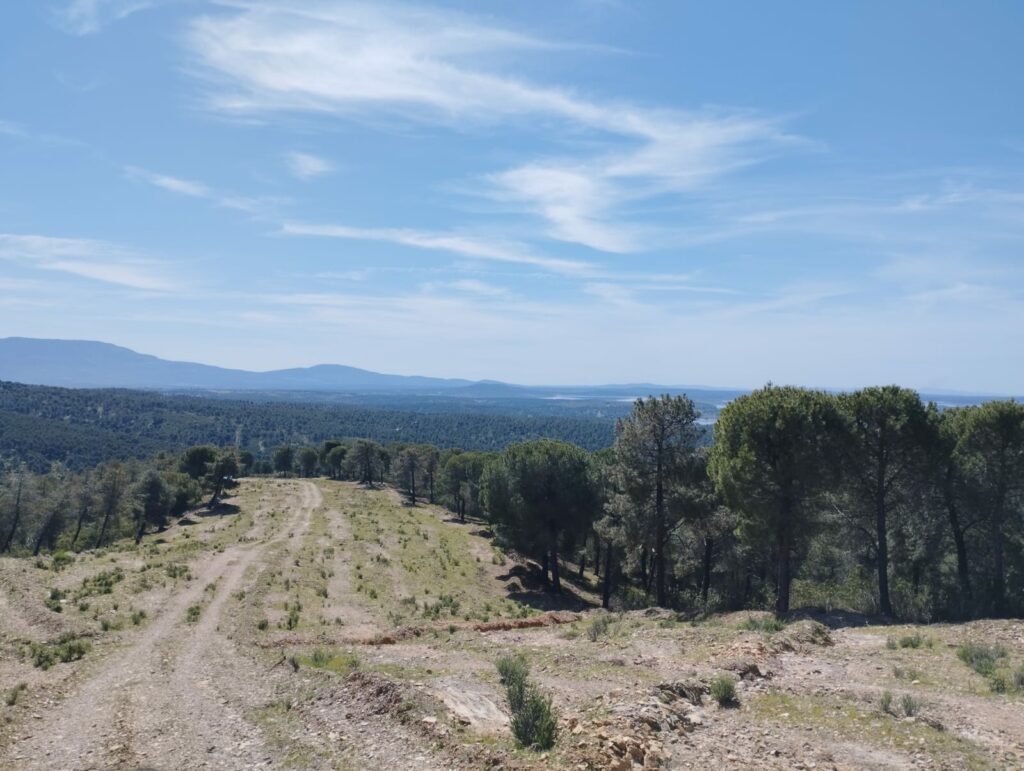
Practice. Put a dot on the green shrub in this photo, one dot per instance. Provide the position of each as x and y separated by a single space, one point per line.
193 613
339 662
535 723
262 624
101 583
723 690
514 672
890 643
12 695
53 602
599 627
911 641
534 720
999 683
177 571
61 560
138 616
1018 679
768 625
886 702
981 658
67 648
910 705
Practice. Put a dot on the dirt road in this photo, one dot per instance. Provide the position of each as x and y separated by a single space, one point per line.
177 696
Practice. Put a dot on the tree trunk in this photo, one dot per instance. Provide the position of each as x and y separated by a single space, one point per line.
37 547
17 514
597 556
705 577
882 554
606 594
998 568
583 557
962 566
103 528
140 528
556 582
545 562
783 568
660 537
82 514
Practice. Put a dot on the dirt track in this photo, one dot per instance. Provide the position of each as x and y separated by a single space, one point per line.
413 684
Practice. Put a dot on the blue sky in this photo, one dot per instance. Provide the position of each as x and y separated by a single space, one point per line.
726 193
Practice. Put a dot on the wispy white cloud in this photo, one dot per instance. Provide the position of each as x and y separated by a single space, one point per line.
193 189
172 184
359 59
477 287
453 243
88 258
613 294
305 166
85 17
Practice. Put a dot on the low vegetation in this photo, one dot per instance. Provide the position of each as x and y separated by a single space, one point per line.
534 721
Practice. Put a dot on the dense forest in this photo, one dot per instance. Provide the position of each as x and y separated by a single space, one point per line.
871 501
84 427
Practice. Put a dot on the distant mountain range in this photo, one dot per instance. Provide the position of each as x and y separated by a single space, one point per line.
92 364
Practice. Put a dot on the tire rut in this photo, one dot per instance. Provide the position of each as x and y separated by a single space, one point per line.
177 696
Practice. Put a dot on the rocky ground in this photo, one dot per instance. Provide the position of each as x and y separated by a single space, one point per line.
315 624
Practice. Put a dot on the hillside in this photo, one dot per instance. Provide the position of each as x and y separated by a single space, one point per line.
317 624
91 364
83 427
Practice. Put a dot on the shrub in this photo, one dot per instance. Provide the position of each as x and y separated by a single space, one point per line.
723 690
262 624
67 648
193 613
535 723
910 705
981 658
101 583
768 625
514 672
598 627
176 571
890 643
53 601
111 624
335 661
998 682
138 616
911 641
12 695
1018 679
293 618
886 702
534 720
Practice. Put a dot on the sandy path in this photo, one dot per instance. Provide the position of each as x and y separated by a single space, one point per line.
176 697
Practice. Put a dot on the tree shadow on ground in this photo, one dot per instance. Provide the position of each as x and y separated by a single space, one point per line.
219 510
838 619
525 584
